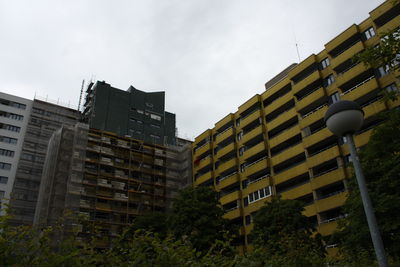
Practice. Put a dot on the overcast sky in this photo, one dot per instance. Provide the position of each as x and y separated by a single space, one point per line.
210 56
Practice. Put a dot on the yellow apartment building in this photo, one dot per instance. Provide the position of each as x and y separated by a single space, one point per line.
277 143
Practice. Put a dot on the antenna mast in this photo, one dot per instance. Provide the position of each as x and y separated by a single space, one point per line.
80 96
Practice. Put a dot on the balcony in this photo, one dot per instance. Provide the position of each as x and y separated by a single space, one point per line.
323 156
250 135
341 38
374 108
363 138
203 163
253 150
328 178
313 117
350 74
360 89
304 102
287 154
283 136
226 165
232 214
255 185
228 180
249 118
290 173
328 228
205 177
223 151
255 167
206 147
278 102
317 137
229 197
297 192
248 104
331 202
347 54
223 135
309 210
283 117
306 81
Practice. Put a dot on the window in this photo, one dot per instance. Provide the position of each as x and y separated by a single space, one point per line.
155 117
3 180
155 126
334 98
9 127
242 167
7 153
5 166
329 80
259 194
383 70
238 122
239 136
155 136
325 63
369 33
11 116
12 104
8 140
391 88
139 111
241 150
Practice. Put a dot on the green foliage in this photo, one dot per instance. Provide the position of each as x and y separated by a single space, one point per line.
380 160
155 222
197 215
385 54
285 236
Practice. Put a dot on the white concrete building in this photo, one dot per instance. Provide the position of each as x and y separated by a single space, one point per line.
14 116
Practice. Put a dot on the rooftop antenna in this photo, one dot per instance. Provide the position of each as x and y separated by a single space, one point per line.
297 46
80 96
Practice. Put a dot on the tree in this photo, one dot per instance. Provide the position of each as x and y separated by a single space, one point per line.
385 55
197 215
156 222
285 235
380 160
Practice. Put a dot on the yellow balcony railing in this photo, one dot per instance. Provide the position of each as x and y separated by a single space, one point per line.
226 165
316 137
309 99
229 197
283 136
297 192
205 177
374 108
253 150
203 163
202 149
223 135
283 117
331 202
360 89
350 74
306 81
290 173
256 166
347 54
287 154
249 135
323 156
277 103
232 214
250 118
328 178
328 228
313 116
225 150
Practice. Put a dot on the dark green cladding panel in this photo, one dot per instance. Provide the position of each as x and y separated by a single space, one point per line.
129 113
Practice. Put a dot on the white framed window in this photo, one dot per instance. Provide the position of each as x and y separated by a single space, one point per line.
335 97
239 136
329 80
241 150
259 194
3 180
369 33
155 117
325 63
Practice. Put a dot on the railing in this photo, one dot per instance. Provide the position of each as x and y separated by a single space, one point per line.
314 110
349 68
259 179
234 208
358 85
309 93
321 150
334 219
227 176
324 172
332 194
248 165
345 49
218 134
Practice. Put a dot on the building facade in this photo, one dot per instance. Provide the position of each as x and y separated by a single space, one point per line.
14 115
108 180
277 143
134 113
44 119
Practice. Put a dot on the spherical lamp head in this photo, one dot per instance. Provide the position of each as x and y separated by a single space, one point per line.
344 117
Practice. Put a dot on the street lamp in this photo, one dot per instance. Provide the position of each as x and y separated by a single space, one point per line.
344 118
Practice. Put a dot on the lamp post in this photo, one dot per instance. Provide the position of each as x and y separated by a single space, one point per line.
344 118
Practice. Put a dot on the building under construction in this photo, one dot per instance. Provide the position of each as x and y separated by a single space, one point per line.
108 180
